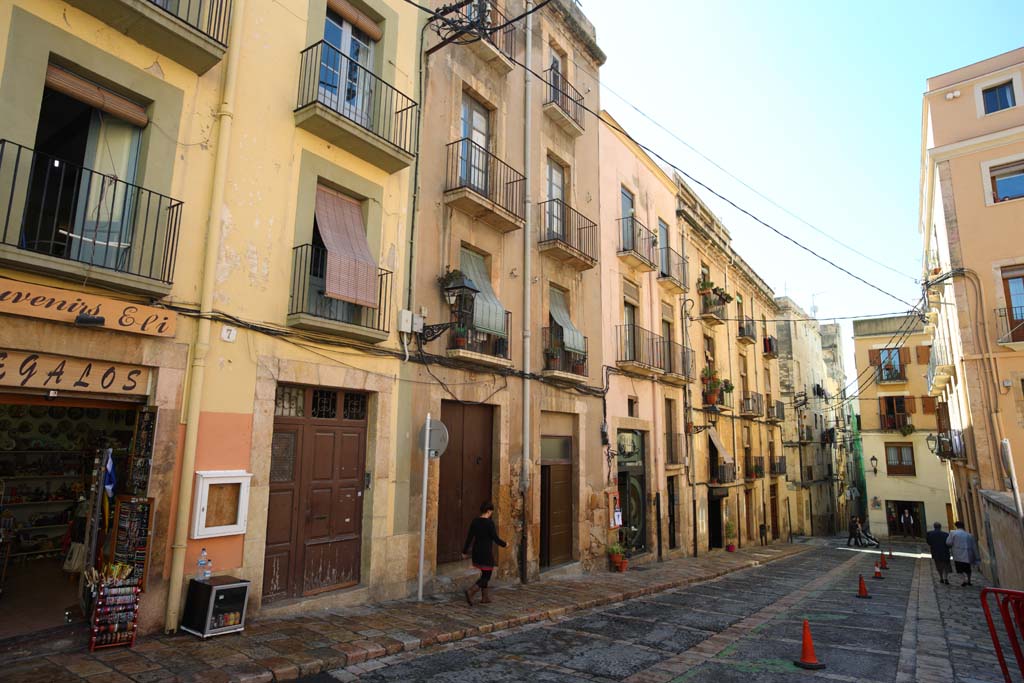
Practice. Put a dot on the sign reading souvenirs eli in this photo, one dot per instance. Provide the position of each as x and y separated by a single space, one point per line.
64 373
62 305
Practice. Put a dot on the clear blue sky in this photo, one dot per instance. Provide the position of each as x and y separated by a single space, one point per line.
816 105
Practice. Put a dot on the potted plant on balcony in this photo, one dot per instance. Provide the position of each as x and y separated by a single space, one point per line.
551 355
723 296
579 365
711 391
615 552
907 429
705 286
461 336
758 470
730 536
727 386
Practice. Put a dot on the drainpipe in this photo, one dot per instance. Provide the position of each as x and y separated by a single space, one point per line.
202 340
524 475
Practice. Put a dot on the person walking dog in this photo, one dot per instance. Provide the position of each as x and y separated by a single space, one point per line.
940 551
965 551
482 537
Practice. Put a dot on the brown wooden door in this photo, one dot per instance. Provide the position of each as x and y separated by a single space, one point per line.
555 515
774 501
465 477
748 503
314 515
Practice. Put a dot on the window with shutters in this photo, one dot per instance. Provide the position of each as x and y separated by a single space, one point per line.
894 411
890 363
899 460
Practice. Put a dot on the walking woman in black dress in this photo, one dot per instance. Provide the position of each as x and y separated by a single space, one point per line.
482 535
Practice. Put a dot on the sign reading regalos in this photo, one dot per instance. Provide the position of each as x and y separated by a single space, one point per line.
64 373
62 305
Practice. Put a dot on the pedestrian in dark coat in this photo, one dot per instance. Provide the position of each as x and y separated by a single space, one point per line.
854 533
482 537
940 551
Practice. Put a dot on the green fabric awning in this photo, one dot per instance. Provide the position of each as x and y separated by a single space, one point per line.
572 338
488 313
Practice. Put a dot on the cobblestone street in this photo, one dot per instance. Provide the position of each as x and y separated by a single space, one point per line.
745 626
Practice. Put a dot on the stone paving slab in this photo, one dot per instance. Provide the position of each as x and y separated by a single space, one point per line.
301 646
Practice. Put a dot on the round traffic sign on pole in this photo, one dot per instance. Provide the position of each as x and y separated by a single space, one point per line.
437 440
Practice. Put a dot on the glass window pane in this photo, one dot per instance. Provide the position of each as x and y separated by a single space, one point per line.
892 455
1010 187
556 449
908 456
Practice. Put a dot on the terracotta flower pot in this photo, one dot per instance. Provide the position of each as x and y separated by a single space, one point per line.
460 342
623 565
615 559
730 548
711 396
578 369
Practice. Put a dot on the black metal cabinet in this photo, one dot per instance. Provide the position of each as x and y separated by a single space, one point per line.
215 606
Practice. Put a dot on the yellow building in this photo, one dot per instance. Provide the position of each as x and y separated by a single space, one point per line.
226 190
907 486
972 166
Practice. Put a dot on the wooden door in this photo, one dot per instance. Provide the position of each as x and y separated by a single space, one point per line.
748 503
775 511
465 477
315 507
556 514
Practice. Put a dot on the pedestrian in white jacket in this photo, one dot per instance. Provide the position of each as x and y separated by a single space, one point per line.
964 550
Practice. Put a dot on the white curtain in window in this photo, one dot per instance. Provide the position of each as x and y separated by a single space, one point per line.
572 338
488 313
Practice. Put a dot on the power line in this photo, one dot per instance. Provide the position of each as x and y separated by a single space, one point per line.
696 181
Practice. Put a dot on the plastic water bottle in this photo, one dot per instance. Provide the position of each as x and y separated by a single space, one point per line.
201 565
208 569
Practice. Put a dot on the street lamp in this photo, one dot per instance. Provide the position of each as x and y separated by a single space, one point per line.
933 443
711 417
874 464
459 292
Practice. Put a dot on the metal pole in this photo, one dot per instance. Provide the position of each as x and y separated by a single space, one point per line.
423 507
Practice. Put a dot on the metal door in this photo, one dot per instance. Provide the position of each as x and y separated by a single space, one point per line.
315 508
465 476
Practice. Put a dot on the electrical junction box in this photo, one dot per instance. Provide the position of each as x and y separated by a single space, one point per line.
405 321
417 323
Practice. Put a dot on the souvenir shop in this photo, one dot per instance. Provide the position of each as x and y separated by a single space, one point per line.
74 475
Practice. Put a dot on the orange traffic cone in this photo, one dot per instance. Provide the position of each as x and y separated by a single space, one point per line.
862 590
808 660
890 552
878 572
883 563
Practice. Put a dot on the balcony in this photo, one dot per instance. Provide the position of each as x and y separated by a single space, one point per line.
639 350
806 434
777 466
723 473
678 363
563 103
746 331
193 33
893 421
890 374
483 186
672 269
770 347
950 445
675 453
753 467
717 397
560 362
568 236
774 411
751 404
349 106
712 310
1010 325
311 309
940 370
499 47
637 244
466 342
78 224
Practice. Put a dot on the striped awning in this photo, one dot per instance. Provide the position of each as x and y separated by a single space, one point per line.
488 313
723 452
572 338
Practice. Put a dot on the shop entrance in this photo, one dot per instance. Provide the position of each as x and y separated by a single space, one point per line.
774 506
632 494
465 479
50 453
315 507
898 525
715 522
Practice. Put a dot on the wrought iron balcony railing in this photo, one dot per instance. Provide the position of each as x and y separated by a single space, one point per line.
770 346
747 331
723 473
559 358
562 94
711 305
678 359
53 207
332 78
637 345
892 421
309 271
751 403
465 337
564 224
212 18
777 465
1010 324
671 266
503 38
471 166
636 239
891 373
753 467
950 445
